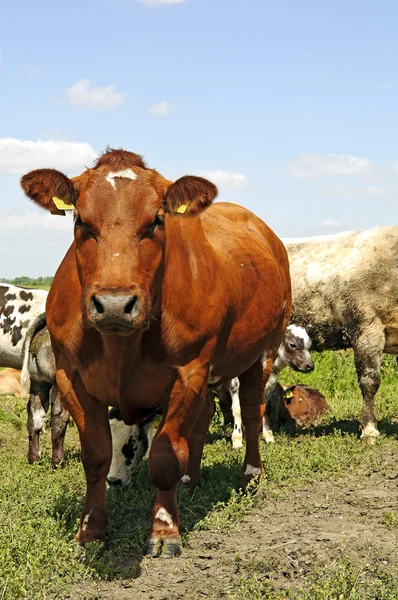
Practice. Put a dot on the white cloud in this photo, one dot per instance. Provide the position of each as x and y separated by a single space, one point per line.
32 71
20 156
29 222
227 179
85 95
318 165
330 223
160 2
162 109
372 190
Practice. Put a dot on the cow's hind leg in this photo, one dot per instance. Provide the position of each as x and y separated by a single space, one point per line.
368 350
59 423
37 408
252 408
196 440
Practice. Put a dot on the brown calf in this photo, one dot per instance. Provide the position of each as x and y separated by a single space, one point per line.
297 405
10 382
155 296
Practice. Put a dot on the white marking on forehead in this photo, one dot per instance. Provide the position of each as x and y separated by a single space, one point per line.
300 332
185 479
125 174
164 516
252 470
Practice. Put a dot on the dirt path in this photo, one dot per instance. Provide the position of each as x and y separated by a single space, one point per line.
284 542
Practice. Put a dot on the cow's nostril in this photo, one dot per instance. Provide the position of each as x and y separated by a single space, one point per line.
114 481
129 307
98 306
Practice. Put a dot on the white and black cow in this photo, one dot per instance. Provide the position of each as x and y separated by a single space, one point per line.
294 352
130 443
19 307
345 293
25 345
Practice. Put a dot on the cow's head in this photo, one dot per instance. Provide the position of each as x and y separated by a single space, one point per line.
121 209
295 349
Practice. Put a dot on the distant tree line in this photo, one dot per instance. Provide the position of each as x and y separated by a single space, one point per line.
28 281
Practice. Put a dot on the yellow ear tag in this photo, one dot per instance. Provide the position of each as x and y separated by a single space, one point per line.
61 205
289 394
181 209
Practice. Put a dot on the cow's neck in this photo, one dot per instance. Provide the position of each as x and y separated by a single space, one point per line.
189 259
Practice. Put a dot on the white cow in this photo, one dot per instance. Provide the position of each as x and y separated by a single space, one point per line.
345 293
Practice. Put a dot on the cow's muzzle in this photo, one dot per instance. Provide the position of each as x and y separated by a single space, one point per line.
115 313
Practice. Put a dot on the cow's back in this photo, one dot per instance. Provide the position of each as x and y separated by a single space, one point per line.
19 307
342 282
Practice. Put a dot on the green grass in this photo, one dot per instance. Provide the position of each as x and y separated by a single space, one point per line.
40 508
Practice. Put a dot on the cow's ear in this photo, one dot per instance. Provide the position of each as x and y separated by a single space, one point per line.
51 190
190 195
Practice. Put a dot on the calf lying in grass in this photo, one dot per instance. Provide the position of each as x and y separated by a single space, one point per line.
10 382
296 405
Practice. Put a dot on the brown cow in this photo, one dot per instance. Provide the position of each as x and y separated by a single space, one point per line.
10 382
155 296
297 405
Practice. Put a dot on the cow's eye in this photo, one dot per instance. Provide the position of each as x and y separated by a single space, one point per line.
83 226
151 229
293 346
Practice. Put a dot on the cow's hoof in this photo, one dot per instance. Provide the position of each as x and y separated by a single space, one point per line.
237 441
167 548
32 458
269 437
370 434
369 440
172 548
152 547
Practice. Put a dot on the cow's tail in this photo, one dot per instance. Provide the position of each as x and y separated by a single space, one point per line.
34 327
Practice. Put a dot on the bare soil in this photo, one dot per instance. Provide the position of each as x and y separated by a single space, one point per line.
292 535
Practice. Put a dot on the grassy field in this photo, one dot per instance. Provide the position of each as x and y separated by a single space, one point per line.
40 508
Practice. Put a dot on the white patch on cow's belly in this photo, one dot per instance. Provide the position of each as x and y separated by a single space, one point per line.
252 470
164 516
124 174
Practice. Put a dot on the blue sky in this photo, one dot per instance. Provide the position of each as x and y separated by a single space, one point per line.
289 107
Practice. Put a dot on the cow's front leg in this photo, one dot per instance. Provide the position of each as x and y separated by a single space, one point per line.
92 421
368 350
37 408
169 457
59 423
